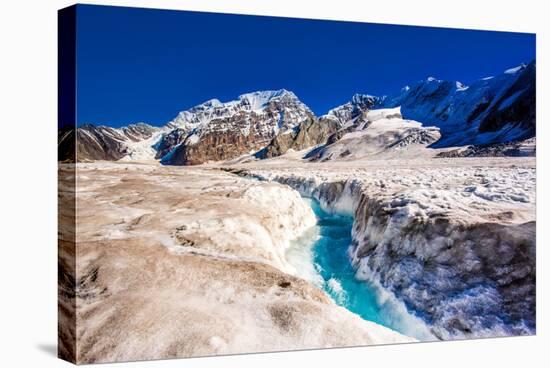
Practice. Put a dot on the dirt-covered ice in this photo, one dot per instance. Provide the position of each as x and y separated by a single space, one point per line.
181 262
193 261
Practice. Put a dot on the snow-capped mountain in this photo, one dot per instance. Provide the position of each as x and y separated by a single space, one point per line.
210 131
257 102
359 103
491 110
215 131
315 131
491 117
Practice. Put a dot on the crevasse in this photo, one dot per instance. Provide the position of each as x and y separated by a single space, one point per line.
440 278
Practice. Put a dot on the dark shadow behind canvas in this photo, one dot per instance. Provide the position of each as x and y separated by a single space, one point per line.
66 184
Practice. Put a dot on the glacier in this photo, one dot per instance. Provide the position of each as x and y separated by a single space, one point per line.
198 261
455 243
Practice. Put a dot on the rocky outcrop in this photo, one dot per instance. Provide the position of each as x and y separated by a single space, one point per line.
218 143
526 147
66 145
99 143
138 132
310 133
211 131
168 142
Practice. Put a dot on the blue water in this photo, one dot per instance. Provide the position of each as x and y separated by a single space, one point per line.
333 264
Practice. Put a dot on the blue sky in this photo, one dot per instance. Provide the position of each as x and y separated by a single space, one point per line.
147 65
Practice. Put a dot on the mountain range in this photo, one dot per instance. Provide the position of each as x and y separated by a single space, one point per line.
492 111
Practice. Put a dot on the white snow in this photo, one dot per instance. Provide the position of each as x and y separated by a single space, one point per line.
258 100
375 115
335 286
144 150
384 134
192 139
461 87
515 70
457 110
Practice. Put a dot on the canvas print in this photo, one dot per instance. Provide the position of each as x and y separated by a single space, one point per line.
240 184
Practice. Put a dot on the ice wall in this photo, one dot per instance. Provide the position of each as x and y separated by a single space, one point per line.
465 277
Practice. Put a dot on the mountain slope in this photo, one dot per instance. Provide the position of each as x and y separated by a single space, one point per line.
491 110
103 142
266 124
310 132
316 131
380 133
216 131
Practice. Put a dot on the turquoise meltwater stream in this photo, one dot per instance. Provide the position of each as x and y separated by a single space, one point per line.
334 273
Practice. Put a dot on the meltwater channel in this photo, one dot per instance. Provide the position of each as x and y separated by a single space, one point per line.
321 256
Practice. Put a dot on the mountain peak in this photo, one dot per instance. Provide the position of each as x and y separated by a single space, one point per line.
259 99
515 69
213 102
350 110
139 124
252 101
360 98
460 86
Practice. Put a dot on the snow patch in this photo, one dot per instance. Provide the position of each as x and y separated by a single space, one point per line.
515 70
